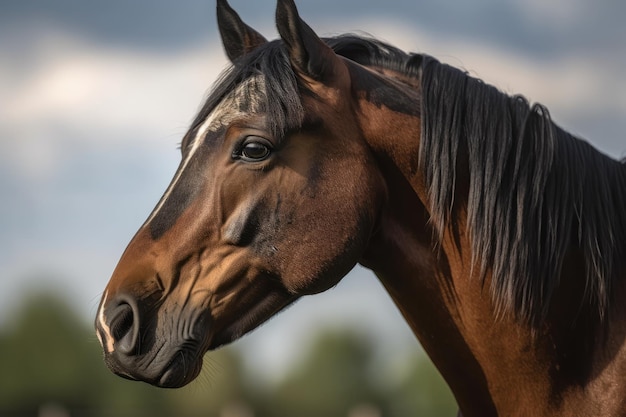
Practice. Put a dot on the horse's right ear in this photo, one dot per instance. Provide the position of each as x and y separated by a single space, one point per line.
309 55
237 37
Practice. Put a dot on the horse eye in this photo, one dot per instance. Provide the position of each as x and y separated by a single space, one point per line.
254 151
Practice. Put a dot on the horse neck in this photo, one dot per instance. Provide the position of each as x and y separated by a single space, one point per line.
514 370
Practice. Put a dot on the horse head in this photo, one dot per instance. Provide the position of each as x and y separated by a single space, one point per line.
275 197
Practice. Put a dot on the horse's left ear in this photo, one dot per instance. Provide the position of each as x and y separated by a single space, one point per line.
237 37
309 55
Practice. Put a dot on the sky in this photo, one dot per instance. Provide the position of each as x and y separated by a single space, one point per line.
95 97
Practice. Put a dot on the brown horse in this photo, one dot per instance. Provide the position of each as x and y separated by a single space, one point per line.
500 237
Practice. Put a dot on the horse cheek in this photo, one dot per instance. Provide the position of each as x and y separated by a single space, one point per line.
324 246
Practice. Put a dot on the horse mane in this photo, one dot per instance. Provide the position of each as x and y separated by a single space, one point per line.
533 189
372 52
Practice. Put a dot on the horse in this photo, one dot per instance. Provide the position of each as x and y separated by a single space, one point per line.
500 237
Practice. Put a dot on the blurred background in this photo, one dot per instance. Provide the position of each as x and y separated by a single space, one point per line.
94 98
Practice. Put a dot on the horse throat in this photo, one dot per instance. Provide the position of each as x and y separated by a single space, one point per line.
402 253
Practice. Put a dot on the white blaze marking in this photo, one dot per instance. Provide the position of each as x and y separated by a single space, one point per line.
107 343
252 90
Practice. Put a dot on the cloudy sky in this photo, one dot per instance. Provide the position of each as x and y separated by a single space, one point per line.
96 95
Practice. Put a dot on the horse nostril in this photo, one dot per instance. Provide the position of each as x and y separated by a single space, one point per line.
125 327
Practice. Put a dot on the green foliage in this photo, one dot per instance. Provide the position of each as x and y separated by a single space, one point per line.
331 380
48 356
421 392
45 357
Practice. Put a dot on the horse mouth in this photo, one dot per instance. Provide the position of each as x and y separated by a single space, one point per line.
180 370
163 366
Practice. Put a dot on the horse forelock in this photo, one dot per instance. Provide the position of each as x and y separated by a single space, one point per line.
269 65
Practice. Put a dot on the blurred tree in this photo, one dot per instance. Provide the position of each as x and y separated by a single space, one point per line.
45 358
219 387
50 360
49 357
422 391
332 380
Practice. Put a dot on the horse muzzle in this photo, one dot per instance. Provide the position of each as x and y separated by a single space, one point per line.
137 347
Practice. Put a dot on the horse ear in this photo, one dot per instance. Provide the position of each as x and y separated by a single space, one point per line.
308 53
237 37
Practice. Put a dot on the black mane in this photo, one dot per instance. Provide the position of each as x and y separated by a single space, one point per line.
534 189
374 53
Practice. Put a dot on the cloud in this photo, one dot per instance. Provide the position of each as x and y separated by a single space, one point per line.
566 82
75 91
559 13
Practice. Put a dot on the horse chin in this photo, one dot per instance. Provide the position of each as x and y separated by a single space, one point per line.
183 367
185 358
179 372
